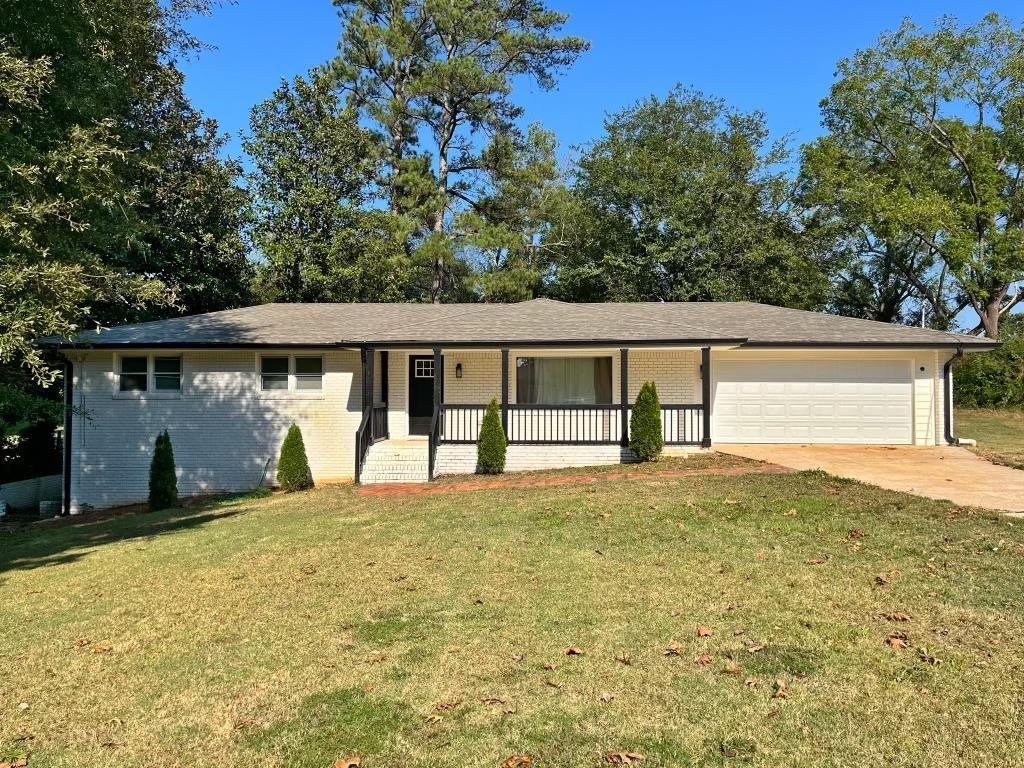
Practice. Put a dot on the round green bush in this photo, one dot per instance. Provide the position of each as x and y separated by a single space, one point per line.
490 448
292 467
645 437
163 480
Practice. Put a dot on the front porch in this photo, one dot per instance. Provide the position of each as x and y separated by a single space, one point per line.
428 405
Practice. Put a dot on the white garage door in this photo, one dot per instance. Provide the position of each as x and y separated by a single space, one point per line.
820 401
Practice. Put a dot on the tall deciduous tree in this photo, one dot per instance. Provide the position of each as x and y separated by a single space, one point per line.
436 78
313 171
684 199
925 151
114 204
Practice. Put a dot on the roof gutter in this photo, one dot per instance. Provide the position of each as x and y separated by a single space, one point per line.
947 378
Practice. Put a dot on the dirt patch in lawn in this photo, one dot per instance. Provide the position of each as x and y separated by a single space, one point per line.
545 480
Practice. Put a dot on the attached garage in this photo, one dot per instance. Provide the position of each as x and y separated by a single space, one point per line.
821 400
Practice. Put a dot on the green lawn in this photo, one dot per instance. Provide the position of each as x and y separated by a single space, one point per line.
1000 433
431 630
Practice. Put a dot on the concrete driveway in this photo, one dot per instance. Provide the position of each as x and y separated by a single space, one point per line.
941 472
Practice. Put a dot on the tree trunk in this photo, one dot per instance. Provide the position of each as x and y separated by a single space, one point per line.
989 313
447 130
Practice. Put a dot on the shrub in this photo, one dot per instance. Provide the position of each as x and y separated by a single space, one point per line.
994 379
293 467
645 436
163 480
490 448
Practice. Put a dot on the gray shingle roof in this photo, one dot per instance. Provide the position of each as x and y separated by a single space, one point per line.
541 321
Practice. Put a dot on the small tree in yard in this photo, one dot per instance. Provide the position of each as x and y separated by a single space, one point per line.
645 436
163 481
293 467
490 448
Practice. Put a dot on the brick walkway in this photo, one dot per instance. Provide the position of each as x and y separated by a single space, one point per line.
546 481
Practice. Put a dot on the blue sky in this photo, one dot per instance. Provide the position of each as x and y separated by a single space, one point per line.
776 57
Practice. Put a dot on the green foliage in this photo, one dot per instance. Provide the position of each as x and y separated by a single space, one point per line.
313 167
683 199
491 446
922 164
431 94
292 467
163 479
115 204
994 379
645 436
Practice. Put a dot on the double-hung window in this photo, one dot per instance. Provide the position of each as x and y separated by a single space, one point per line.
134 374
309 374
564 380
274 373
153 374
292 373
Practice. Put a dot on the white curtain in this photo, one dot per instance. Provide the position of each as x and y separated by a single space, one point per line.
565 380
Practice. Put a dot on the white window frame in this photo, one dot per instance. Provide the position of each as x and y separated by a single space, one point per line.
150 392
292 391
425 362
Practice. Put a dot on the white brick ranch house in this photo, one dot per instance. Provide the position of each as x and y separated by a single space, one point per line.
386 392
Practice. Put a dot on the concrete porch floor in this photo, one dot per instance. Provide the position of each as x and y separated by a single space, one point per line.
940 472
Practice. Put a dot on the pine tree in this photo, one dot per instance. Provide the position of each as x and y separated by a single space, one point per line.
293 467
490 448
645 437
163 480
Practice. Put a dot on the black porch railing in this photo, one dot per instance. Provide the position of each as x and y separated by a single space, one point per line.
459 423
372 428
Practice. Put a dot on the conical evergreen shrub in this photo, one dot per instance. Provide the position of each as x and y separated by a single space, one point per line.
490 447
293 467
645 437
163 481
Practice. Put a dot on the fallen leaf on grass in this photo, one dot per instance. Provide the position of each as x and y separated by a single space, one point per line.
447 704
898 640
518 657
818 560
752 682
755 648
572 650
550 667
309 570
856 533
673 648
492 700
928 658
607 696
732 668
897 616
81 643
432 718
704 631
348 762
623 658
102 648
624 758
790 513
738 632
729 501
703 660
518 761
781 689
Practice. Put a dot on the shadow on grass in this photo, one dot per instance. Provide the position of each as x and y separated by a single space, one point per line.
36 546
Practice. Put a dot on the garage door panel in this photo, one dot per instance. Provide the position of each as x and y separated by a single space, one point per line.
826 401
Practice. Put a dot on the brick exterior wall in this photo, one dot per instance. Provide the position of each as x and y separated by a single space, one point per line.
226 433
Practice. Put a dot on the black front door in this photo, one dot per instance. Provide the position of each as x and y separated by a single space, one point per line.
421 393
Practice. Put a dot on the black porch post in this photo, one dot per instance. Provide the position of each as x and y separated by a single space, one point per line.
368 359
69 400
384 394
504 390
624 396
438 378
705 380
